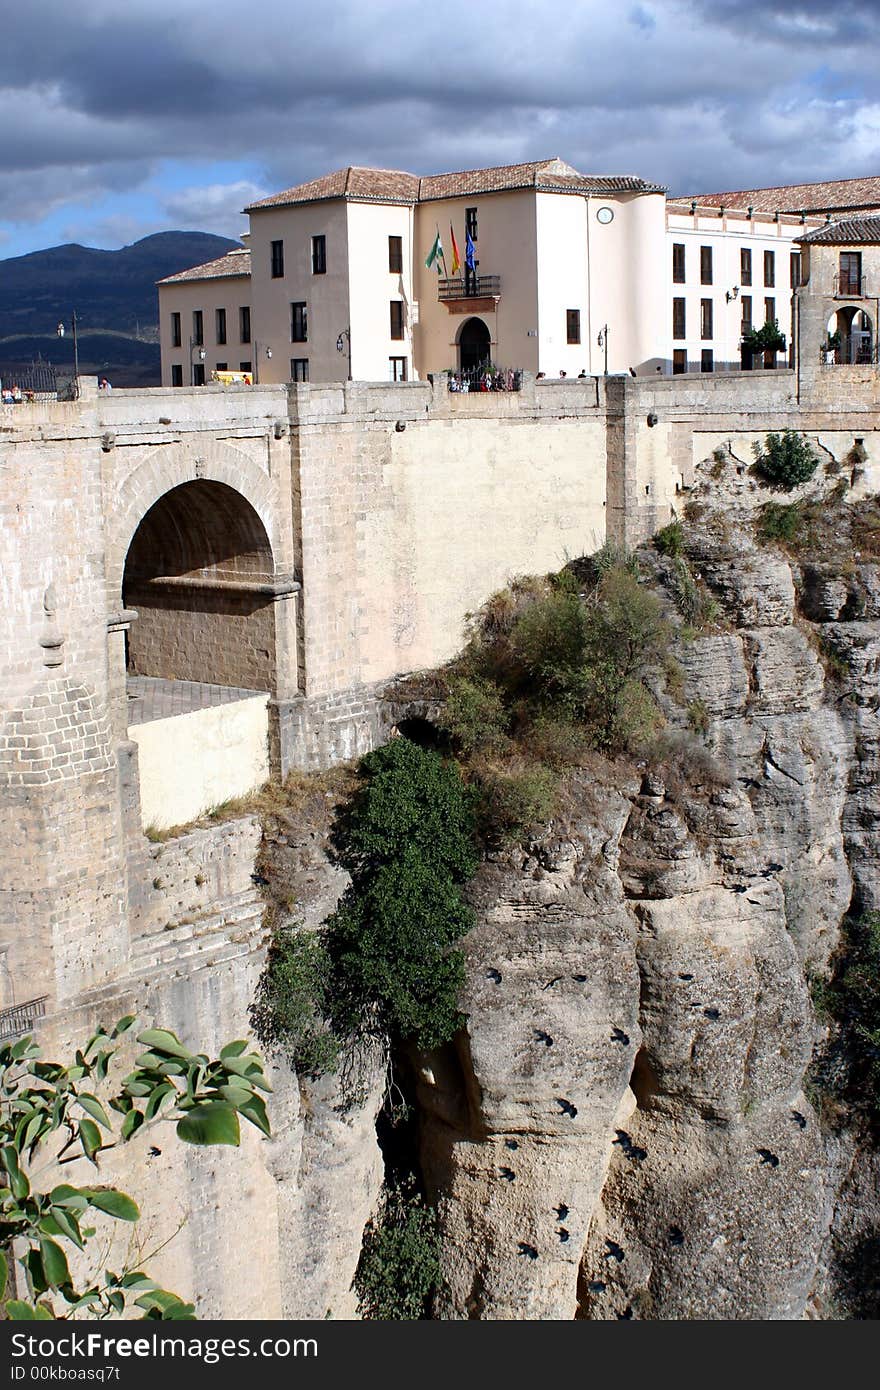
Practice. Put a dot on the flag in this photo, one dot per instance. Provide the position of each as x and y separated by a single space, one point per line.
435 255
456 259
469 251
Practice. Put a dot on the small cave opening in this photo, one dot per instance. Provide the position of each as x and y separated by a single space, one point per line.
644 1083
425 734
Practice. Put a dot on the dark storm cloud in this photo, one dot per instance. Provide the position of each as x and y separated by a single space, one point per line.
691 92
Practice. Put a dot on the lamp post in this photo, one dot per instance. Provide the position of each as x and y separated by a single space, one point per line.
345 337
602 341
60 332
192 366
268 352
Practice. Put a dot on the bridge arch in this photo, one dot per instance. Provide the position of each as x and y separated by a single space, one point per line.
200 573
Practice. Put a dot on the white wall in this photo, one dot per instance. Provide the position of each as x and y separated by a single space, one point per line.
563 281
194 761
227 292
372 287
626 280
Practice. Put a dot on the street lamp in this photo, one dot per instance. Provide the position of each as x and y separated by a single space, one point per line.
345 337
60 332
268 352
192 366
602 341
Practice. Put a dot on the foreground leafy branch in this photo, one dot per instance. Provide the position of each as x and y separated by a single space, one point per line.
52 1112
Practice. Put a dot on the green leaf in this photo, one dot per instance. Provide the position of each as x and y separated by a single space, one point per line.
161 1040
233 1049
67 1225
19 1311
93 1107
114 1203
4 1270
90 1137
65 1196
54 1263
160 1094
116 1301
210 1123
17 1179
42 1313
136 1279
249 1105
123 1025
131 1124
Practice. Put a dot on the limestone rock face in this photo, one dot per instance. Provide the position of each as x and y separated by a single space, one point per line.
622 1131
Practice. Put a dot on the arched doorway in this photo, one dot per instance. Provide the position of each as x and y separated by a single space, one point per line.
199 572
850 336
474 345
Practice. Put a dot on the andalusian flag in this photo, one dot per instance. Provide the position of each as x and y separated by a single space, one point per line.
435 255
456 259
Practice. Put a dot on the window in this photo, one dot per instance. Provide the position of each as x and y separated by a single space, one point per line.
299 369
319 255
679 361
850 272
707 360
746 302
745 266
573 325
397 368
277 259
175 330
244 367
221 366
176 373
220 325
198 327
795 263
395 255
705 265
770 310
769 267
244 325
198 374
397 319
678 319
470 222
678 262
299 323
705 318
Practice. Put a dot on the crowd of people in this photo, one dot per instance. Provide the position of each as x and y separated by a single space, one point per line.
485 379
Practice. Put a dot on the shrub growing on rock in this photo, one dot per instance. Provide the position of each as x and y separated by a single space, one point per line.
786 460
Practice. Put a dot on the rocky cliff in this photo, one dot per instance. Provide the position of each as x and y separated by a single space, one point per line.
625 1128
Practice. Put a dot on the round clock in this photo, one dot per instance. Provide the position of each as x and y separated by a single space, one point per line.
605 215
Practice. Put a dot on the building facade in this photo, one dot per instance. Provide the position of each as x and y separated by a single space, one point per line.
543 269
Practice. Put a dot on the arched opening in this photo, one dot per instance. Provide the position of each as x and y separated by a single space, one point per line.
850 336
474 345
199 573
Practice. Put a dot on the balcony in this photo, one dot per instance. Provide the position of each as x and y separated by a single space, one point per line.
470 294
20 1018
848 287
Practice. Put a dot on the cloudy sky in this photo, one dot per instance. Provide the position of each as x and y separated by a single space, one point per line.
123 118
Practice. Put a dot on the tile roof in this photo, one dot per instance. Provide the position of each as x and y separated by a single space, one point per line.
860 231
798 197
395 186
233 263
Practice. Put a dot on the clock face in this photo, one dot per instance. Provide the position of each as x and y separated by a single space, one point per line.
605 215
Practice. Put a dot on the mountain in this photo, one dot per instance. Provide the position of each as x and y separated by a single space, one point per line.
113 294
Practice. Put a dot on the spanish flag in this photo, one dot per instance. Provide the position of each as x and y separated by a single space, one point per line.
456 259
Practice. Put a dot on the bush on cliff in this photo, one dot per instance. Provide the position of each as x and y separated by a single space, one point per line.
848 1066
785 461
399 1267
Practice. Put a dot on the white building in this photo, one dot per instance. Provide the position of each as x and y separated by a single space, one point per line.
572 274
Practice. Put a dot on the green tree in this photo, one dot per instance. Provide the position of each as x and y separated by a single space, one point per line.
52 1115
786 460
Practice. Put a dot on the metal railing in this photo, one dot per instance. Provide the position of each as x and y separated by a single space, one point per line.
848 286
856 350
35 381
469 287
20 1018
486 377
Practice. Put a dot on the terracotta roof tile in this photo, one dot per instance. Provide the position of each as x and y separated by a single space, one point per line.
395 186
233 263
862 231
832 196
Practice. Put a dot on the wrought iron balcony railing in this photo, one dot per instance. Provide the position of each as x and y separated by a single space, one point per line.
20 1018
469 287
849 286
